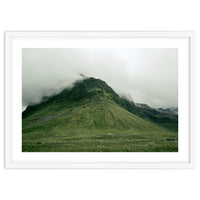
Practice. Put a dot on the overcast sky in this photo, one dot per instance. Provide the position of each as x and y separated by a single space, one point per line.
144 75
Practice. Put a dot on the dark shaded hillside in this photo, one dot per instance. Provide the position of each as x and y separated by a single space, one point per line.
166 119
82 92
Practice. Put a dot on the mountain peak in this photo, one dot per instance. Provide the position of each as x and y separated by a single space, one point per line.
90 92
89 87
85 90
92 82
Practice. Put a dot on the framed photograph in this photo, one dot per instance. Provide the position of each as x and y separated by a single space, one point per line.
99 99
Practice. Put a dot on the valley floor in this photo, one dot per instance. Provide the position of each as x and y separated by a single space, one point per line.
105 141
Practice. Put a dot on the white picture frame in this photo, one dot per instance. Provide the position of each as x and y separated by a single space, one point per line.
16 40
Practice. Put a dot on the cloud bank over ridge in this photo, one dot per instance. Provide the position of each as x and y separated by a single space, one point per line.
146 75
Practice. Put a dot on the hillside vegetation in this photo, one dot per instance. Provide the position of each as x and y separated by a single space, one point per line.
91 117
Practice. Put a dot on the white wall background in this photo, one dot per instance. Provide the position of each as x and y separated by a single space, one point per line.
97 184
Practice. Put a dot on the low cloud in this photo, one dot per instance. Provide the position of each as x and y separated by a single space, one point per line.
144 75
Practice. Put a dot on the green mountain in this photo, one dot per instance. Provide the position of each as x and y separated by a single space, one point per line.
92 117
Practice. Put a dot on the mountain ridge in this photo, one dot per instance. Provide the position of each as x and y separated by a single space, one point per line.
91 90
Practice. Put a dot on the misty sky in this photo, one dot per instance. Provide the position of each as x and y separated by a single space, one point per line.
144 75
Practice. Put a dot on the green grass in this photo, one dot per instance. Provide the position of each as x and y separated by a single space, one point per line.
100 142
94 127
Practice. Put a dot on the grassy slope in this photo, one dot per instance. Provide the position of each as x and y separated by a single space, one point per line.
93 126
